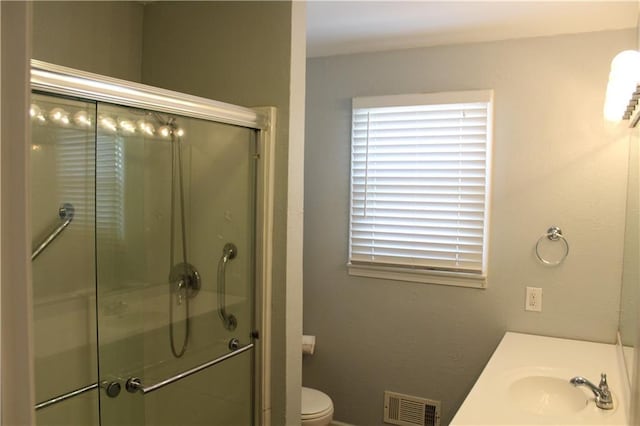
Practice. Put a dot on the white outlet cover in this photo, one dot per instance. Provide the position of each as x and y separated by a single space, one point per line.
533 299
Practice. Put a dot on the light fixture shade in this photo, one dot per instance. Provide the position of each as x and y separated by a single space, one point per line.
623 81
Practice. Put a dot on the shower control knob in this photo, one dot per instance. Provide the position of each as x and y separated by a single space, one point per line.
230 323
112 389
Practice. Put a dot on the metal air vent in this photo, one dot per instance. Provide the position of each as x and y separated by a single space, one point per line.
406 410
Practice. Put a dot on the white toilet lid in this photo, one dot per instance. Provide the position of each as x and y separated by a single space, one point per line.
315 402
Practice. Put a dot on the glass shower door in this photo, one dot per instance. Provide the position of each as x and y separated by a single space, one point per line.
63 268
175 244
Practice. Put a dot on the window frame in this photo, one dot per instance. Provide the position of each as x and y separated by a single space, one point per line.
421 274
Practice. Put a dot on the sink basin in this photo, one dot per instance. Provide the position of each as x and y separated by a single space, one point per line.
526 383
547 396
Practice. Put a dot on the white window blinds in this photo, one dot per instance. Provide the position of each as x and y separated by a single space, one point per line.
110 193
419 181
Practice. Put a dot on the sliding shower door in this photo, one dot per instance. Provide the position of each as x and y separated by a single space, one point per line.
143 266
63 266
175 232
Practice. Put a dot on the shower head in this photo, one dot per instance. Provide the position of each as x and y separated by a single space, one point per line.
163 121
168 126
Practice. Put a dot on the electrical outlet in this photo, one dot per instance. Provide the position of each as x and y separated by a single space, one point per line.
533 299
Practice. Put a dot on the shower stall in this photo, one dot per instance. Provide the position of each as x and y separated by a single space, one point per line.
150 265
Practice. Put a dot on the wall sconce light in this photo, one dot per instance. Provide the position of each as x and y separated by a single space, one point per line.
623 90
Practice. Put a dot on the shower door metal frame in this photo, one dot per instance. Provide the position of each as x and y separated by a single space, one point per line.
56 79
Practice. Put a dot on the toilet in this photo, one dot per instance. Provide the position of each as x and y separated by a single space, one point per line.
317 408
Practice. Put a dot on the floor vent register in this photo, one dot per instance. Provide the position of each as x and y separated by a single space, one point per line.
406 410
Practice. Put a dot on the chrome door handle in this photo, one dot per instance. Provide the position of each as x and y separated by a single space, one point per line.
134 384
65 396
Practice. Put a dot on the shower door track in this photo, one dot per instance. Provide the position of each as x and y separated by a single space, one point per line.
52 78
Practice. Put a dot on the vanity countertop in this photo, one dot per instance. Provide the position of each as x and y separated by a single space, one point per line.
526 382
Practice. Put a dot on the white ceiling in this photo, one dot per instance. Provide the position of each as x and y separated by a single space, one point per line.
342 27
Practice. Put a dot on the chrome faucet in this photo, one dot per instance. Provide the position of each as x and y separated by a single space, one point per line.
604 399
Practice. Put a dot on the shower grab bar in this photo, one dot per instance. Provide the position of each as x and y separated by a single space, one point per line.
134 384
230 251
66 213
65 396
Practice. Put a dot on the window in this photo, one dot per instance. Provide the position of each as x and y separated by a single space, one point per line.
110 188
420 187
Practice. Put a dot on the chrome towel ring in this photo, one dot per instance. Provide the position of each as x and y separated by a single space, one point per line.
553 234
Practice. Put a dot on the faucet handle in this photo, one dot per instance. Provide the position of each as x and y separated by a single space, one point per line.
603 382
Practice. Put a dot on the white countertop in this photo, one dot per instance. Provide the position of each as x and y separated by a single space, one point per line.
524 359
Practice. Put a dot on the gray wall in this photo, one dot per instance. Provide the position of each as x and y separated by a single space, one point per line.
100 37
555 162
206 49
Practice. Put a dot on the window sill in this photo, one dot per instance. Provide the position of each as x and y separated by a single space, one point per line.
418 276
